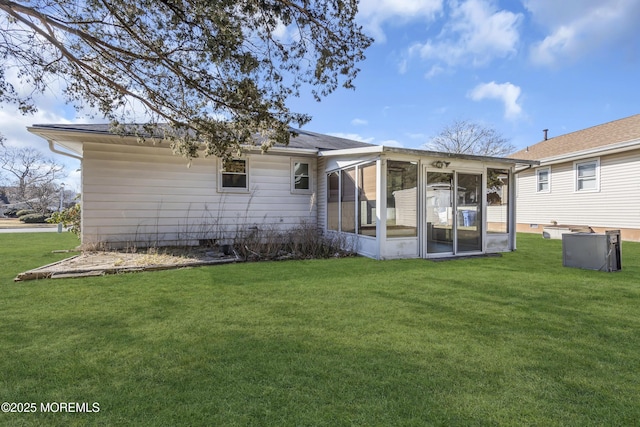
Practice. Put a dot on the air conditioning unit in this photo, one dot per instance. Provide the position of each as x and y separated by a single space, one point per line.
592 251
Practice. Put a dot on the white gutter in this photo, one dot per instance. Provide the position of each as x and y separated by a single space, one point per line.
352 151
64 153
286 150
599 151
377 149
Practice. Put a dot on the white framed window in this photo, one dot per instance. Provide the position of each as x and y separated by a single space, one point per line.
301 176
587 175
543 180
234 175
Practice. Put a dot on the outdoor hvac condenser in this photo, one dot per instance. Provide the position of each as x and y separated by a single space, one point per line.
592 251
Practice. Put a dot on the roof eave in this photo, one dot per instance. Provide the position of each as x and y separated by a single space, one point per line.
418 152
460 156
282 149
351 151
75 136
598 151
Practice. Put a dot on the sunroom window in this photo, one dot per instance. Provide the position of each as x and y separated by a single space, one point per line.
497 200
333 201
402 198
367 189
348 200
352 200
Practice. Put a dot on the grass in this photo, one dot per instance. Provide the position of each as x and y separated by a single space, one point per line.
516 340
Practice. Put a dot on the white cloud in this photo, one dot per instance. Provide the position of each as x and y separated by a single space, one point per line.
51 109
578 27
286 34
374 13
280 31
14 129
505 92
416 135
476 33
359 122
351 136
434 71
403 65
391 143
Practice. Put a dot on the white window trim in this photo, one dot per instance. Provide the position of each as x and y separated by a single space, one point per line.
222 189
544 169
308 161
597 177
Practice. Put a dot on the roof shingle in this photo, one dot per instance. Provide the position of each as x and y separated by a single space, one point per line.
617 131
303 139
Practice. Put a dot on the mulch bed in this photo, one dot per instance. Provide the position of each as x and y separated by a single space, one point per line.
99 263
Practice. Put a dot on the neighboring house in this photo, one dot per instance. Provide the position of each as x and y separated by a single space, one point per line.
387 202
588 178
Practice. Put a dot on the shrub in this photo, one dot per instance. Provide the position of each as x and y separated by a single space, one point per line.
34 218
24 212
11 212
69 218
302 242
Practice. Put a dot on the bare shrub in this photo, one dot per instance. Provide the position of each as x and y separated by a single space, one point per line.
95 247
302 242
258 243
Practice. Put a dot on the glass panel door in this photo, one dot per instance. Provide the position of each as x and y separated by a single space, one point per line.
440 221
367 189
469 212
348 202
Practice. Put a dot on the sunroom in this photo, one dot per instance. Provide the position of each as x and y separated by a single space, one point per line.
404 203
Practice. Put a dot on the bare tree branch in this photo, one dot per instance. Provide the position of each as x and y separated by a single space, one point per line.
467 137
213 70
31 174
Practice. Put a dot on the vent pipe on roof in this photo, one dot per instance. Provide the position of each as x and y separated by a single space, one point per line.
545 131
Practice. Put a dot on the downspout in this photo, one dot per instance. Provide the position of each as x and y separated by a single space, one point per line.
73 156
55 150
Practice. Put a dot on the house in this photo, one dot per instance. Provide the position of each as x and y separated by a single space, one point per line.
389 202
587 178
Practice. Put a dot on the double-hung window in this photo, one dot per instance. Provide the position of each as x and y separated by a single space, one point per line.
301 176
234 175
587 175
543 180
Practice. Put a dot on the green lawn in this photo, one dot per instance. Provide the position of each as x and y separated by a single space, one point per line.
515 340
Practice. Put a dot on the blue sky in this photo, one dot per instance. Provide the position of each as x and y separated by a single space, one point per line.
516 66
519 66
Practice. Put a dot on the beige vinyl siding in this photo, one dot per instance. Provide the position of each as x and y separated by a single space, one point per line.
321 194
140 195
620 191
615 205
